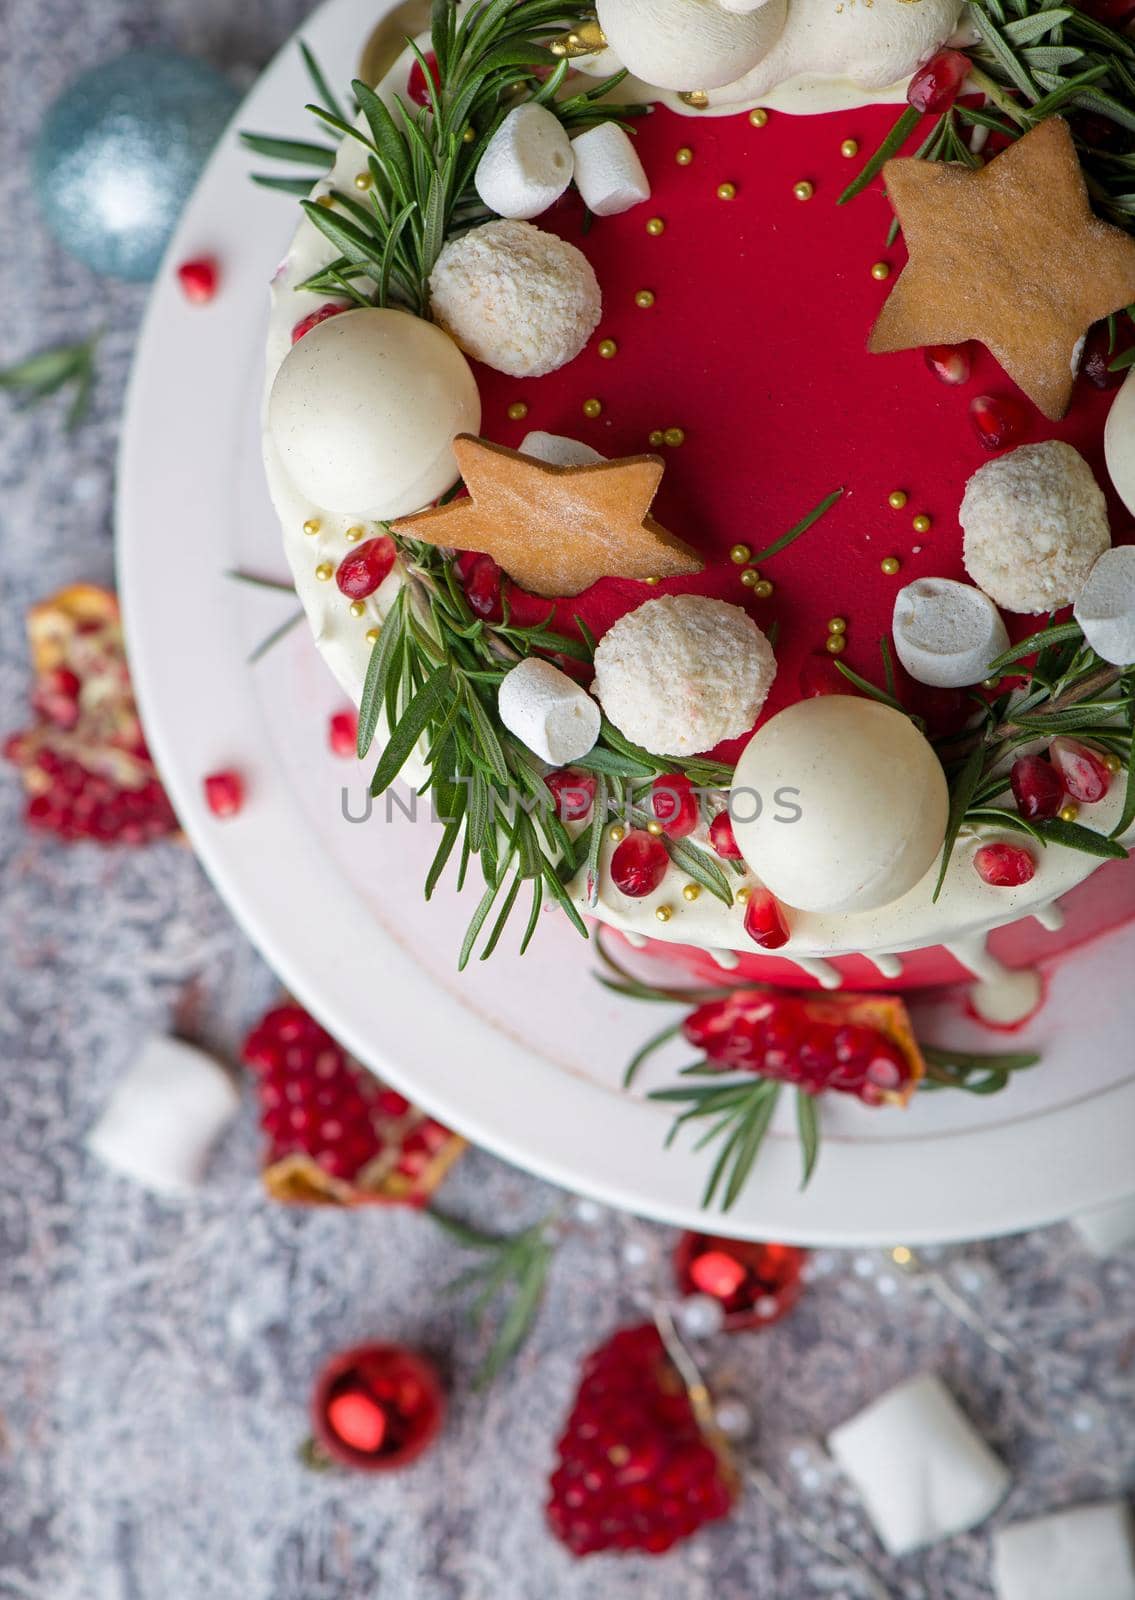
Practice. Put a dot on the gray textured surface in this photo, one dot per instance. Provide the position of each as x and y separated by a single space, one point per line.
155 1360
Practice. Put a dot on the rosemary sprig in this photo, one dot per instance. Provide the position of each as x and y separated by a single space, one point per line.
515 1266
48 371
976 1073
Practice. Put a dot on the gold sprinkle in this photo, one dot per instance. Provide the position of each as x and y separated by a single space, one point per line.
697 98
835 644
674 437
655 226
469 135
655 437
618 1455
837 624
920 523
644 299
517 411
890 565
758 117
727 191
990 683
616 833
654 827
1069 813
311 526
324 571
901 1256
1113 763
690 891
584 40
664 913
763 589
750 577
741 895
897 499
353 535
608 348
803 190
881 271
849 148
740 553
373 635
652 581
325 200
357 608
592 408
684 156
363 180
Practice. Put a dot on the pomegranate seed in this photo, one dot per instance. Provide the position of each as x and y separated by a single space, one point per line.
722 837
573 791
483 588
358 1420
360 573
1037 787
674 804
639 864
948 362
998 420
763 921
418 89
1004 865
198 279
1096 359
224 793
936 86
314 318
343 733
1081 770
56 697
820 675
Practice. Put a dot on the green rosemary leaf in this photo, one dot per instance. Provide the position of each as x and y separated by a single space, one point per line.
315 73
729 1152
977 1061
1122 362
563 899
444 851
867 686
534 913
890 146
808 1126
1107 106
502 917
961 793
1070 719
275 636
477 922
490 745
255 581
1033 643
595 839
648 1049
802 526
1076 837
975 1073
699 866
300 187
48 371
1052 57
997 817
1002 52
410 726
356 246
322 155
755 1126
888 665
378 668
1029 28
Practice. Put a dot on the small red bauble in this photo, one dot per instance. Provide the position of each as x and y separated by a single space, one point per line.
723 839
1037 787
1004 866
936 86
763 921
377 1407
314 318
948 362
674 805
756 1283
1081 770
198 280
368 565
998 420
343 733
639 864
224 793
573 791
417 89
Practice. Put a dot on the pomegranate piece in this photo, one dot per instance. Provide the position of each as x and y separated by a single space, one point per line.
764 922
343 733
635 1471
483 588
723 839
1037 787
573 791
1004 866
199 280
335 1133
369 564
224 793
1081 770
948 362
935 86
1095 362
674 803
998 420
314 318
639 864
417 88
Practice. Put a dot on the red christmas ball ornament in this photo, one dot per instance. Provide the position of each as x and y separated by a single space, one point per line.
377 1407
755 1283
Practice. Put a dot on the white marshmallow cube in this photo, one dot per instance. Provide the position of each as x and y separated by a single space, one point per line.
1106 1229
1105 608
164 1117
527 164
558 450
608 172
1087 1553
922 1471
548 711
947 634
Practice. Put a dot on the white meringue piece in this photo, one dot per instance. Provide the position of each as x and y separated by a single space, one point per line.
608 173
558 450
1119 442
1087 1550
688 44
527 163
548 711
947 634
1105 607
163 1118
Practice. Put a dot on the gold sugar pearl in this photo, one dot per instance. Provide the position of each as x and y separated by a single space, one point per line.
684 156
762 589
920 523
353 535
363 180
373 635
664 913
881 271
758 117
592 408
1069 813
897 499
750 577
890 565
652 581
311 526
849 148
608 348
655 828
655 437
469 135
673 437
742 895
655 226
357 608
990 683
616 833
324 571
803 190
1113 763
695 98
837 624
690 891
327 201
835 644
740 553
517 411
727 191
644 299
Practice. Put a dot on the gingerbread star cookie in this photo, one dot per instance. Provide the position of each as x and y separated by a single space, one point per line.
555 530
1009 254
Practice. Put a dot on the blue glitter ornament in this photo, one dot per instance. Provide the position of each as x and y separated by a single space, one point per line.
119 152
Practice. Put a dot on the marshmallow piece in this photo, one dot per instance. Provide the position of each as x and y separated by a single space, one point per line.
1106 1229
922 1471
1105 608
548 711
1087 1553
608 172
163 1118
688 44
526 165
947 634
558 451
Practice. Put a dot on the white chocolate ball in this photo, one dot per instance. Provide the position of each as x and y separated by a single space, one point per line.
688 44
522 301
1035 522
871 795
682 673
364 410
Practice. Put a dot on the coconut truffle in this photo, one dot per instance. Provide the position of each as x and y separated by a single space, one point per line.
518 299
1035 523
682 673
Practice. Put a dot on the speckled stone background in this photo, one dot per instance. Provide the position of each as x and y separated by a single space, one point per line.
155 1359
